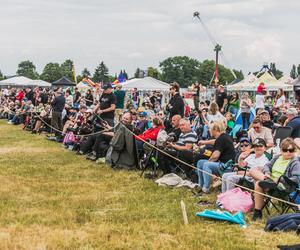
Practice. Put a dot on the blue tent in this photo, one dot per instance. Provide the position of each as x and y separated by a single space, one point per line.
239 117
225 216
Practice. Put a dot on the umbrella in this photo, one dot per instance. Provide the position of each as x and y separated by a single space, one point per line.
226 216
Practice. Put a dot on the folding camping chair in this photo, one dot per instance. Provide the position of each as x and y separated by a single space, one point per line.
235 129
282 133
284 194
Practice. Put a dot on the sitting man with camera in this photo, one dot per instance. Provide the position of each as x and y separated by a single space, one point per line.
182 149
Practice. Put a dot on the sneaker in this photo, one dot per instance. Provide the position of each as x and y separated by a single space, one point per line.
92 156
267 184
100 160
257 215
80 153
205 190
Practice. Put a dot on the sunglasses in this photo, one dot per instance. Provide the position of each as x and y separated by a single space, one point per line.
290 150
256 127
245 145
258 146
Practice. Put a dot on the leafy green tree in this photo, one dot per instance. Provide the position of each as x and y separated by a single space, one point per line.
125 74
101 73
294 72
154 72
239 74
137 73
298 70
206 71
1 76
51 72
67 69
181 69
85 73
27 69
276 72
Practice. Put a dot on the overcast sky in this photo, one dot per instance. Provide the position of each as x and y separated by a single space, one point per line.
127 34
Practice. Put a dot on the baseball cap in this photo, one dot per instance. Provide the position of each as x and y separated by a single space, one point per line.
106 86
144 114
244 139
292 111
259 142
264 112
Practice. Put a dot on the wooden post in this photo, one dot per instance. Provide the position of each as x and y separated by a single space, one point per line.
184 214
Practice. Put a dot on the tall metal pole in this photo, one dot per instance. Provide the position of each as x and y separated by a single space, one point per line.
218 48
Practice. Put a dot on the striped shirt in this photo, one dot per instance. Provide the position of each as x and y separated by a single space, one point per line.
190 137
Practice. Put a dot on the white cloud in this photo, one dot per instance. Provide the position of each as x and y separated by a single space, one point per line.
128 34
267 48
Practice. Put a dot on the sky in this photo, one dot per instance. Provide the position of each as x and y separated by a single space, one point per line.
134 33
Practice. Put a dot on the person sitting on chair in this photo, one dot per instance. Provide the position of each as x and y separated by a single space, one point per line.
223 152
286 164
181 149
254 159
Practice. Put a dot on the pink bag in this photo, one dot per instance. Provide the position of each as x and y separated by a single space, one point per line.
69 138
235 200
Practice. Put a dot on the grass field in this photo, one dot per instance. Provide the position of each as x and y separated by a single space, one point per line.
51 198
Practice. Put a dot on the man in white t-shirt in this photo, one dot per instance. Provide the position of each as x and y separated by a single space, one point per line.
259 131
256 159
260 100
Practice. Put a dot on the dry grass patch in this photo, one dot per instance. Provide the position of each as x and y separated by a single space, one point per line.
51 198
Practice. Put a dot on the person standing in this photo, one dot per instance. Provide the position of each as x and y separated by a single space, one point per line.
196 95
58 105
234 104
260 100
107 104
89 98
176 103
77 98
135 98
120 99
280 99
221 98
246 104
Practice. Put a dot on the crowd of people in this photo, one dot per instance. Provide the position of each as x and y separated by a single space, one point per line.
119 129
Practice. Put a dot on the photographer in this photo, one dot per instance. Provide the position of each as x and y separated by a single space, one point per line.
182 149
107 104
58 104
176 103
103 116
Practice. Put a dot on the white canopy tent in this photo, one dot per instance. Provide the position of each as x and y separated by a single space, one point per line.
286 79
271 83
39 83
15 81
249 79
22 81
145 84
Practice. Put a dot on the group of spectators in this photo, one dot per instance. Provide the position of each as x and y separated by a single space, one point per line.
117 129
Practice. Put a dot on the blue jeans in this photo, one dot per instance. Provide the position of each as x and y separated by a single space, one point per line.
204 179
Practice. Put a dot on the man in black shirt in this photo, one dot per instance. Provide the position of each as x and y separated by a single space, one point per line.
107 104
223 152
29 95
176 103
58 104
77 98
221 98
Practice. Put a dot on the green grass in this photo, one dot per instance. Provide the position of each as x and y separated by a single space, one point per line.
51 198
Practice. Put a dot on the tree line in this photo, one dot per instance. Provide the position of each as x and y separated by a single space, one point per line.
182 69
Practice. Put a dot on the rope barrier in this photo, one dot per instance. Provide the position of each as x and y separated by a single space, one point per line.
212 175
176 159
82 136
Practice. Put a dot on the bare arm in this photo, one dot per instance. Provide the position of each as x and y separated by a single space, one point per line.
215 156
